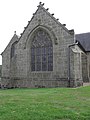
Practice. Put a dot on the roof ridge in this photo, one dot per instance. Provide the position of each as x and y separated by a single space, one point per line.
51 15
83 33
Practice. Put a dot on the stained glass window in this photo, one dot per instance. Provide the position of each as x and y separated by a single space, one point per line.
41 52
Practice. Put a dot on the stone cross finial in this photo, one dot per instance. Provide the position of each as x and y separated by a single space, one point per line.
15 32
40 3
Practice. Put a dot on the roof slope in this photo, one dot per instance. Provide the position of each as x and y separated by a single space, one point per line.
14 39
84 40
41 6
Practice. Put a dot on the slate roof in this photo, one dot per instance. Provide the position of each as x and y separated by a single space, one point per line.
84 40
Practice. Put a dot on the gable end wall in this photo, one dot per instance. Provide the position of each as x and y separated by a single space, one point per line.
61 39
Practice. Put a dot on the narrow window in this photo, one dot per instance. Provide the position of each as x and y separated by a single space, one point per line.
12 50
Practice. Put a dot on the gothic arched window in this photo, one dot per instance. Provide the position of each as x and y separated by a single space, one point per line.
41 52
13 49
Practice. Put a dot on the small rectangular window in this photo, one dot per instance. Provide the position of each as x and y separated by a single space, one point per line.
38 51
32 51
44 66
33 67
38 59
38 66
50 50
50 58
50 66
44 58
33 59
44 50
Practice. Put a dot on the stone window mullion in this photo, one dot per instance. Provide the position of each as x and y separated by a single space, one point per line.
42 46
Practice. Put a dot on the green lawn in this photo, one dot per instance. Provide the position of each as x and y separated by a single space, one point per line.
45 104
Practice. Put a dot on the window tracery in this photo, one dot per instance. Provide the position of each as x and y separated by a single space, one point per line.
41 52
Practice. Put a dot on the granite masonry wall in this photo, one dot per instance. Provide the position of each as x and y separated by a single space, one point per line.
16 72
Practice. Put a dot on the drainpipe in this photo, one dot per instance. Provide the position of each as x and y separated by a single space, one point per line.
69 76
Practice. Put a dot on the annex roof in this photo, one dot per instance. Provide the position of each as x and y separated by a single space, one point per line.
84 40
15 38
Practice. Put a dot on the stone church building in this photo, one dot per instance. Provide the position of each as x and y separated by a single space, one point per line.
46 54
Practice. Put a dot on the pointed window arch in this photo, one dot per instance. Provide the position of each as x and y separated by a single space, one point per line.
13 49
41 52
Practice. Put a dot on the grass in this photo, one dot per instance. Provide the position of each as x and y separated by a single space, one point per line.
45 104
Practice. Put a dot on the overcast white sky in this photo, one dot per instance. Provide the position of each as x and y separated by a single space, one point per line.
15 14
